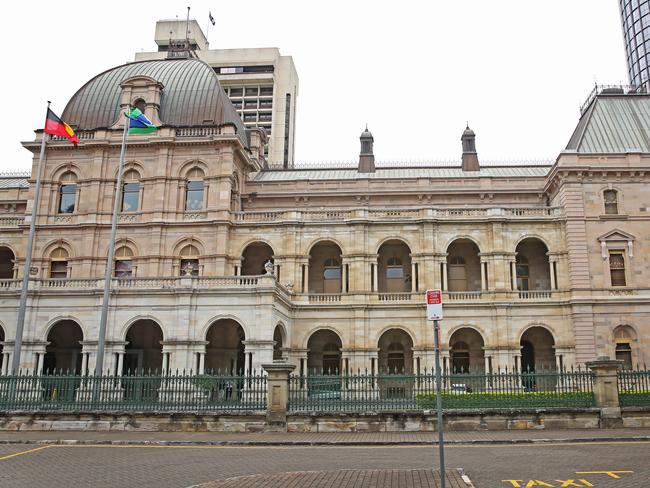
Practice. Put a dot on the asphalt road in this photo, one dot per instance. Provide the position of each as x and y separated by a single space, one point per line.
597 465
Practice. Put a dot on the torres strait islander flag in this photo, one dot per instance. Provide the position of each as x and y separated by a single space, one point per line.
139 123
56 127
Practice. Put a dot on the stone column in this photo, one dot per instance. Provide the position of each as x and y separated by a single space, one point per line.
277 400
375 273
551 264
414 273
305 285
606 390
513 275
39 362
120 363
201 362
445 284
484 281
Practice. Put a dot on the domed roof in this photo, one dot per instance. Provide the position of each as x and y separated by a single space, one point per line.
191 96
468 132
366 134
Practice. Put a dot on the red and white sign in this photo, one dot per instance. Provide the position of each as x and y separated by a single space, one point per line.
434 305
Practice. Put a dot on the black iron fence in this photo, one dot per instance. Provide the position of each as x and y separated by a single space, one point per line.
133 392
416 392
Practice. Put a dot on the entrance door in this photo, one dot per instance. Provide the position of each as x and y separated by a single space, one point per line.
528 366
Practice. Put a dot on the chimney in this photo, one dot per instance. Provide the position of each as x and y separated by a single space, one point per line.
366 157
470 158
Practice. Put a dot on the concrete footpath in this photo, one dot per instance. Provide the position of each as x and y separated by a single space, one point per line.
322 439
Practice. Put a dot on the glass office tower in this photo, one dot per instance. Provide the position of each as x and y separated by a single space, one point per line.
636 32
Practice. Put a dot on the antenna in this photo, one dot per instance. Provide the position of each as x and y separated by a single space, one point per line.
187 27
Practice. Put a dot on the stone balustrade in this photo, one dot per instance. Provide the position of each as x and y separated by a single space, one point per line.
13 221
334 215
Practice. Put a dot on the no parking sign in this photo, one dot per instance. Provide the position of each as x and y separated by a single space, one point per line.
434 305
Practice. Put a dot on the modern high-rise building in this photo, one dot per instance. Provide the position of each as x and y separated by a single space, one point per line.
261 83
636 32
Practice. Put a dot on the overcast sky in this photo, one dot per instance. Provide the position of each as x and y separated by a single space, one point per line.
415 71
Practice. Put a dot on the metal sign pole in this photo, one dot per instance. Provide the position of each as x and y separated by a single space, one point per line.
441 442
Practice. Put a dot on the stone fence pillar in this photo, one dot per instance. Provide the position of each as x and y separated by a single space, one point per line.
277 395
606 390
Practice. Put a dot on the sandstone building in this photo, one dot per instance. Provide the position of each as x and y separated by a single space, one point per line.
542 264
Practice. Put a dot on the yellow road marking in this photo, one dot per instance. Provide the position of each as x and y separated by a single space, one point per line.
611 474
404 446
25 452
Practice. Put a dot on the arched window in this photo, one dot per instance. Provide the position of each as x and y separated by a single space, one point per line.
523 273
140 104
131 191
194 189
611 202
189 261
59 263
123 262
394 268
332 269
67 192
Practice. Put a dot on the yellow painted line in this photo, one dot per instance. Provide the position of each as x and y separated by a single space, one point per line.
8 456
341 446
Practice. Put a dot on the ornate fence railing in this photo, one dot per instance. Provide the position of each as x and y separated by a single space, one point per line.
416 392
133 392
634 387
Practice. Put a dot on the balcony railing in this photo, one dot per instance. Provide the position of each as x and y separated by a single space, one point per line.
325 297
463 295
338 215
11 221
208 282
535 294
394 297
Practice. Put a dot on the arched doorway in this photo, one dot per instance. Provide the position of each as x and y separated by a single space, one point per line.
463 266
532 265
255 257
395 360
63 353
395 352
7 260
225 352
394 267
624 346
324 355
537 350
143 353
466 351
325 269
278 342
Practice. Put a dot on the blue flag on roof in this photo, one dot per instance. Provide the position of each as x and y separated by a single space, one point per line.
139 123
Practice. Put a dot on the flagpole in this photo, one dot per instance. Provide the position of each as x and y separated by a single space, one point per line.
20 323
101 343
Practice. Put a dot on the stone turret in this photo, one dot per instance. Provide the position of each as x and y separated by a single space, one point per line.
366 157
470 157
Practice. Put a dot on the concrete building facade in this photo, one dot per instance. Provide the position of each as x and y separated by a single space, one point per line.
261 83
224 263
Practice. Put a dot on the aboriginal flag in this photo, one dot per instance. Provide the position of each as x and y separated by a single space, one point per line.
55 126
